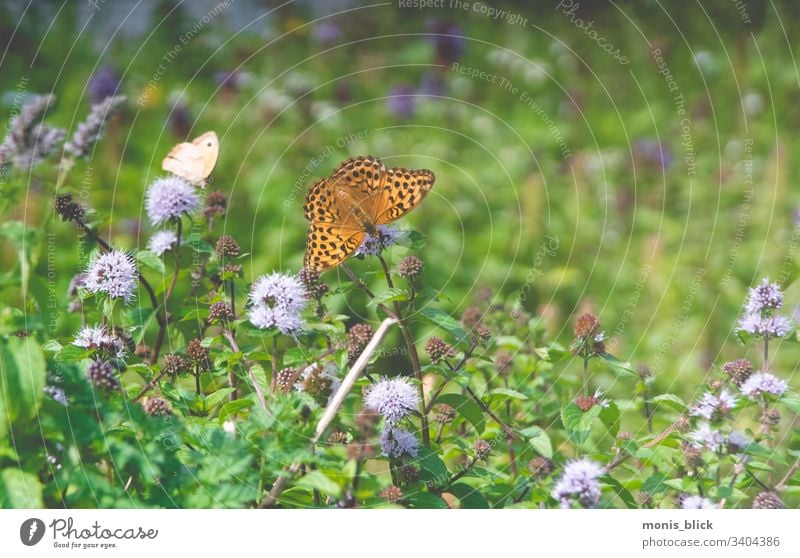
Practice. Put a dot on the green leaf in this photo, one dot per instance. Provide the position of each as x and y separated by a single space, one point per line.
505 393
609 415
539 441
571 416
621 369
149 259
231 408
445 321
622 492
792 401
432 469
757 450
22 379
218 397
317 481
19 489
388 295
470 498
195 242
671 400
425 501
466 407
588 418
654 484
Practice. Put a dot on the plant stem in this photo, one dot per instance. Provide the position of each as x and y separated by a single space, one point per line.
235 348
274 362
177 264
792 470
148 387
621 457
506 428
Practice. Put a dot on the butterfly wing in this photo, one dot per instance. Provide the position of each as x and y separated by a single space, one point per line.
329 244
209 148
401 191
193 161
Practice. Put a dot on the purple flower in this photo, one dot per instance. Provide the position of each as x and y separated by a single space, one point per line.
402 101
765 326
374 245
737 442
653 152
113 273
447 39
89 131
697 503
229 80
162 241
326 32
714 406
397 442
276 301
170 198
393 398
761 383
96 337
766 296
57 394
104 83
432 85
706 437
579 482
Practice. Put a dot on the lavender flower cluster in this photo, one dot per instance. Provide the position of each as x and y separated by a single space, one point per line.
276 301
759 316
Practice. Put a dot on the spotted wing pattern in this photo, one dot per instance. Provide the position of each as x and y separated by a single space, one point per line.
401 191
359 194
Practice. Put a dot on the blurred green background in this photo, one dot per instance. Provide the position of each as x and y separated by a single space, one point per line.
642 167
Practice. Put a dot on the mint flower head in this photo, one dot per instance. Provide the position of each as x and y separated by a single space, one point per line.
386 236
162 241
112 273
276 302
393 398
170 198
579 483
759 316
761 383
398 442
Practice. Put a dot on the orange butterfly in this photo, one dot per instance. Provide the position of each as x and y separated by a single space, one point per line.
359 195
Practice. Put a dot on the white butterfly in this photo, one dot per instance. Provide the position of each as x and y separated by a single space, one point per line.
193 161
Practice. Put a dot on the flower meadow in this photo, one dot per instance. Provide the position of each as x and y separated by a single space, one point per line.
163 346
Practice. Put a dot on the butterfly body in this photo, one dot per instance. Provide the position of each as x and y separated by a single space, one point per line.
193 160
359 195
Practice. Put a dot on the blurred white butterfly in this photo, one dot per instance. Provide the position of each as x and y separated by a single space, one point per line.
193 161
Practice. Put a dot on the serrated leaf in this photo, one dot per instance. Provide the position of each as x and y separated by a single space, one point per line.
465 407
149 259
609 415
388 295
571 416
792 401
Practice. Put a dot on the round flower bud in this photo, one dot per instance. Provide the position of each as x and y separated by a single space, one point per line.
286 378
227 246
587 325
220 312
391 494
357 339
410 268
337 437
438 349
771 417
471 317
67 208
482 449
174 364
738 370
197 353
769 500
444 414
157 407
103 375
